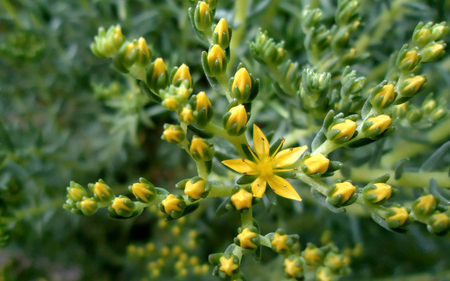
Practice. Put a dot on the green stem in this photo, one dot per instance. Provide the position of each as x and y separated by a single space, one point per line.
408 179
220 191
240 18
326 147
32 212
223 81
201 170
263 240
247 218
235 141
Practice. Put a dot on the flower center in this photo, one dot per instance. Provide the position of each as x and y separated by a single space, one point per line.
265 167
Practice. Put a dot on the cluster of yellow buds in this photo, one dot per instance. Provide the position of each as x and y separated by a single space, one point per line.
281 242
225 265
426 33
107 43
342 193
78 201
133 57
327 261
195 188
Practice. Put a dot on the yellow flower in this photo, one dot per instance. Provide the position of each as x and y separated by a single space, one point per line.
317 163
267 165
242 199
227 266
241 80
279 242
245 239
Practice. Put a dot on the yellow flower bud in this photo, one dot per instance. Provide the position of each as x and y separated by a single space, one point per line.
382 191
140 190
381 121
387 93
441 218
279 242
245 239
317 163
159 68
144 52
88 204
346 189
409 61
401 215
432 52
173 134
241 80
347 129
186 115
202 101
311 255
238 116
200 149
242 199
204 8
227 266
120 203
292 267
171 103
171 204
413 85
100 189
223 36
195 190
216 54
182 74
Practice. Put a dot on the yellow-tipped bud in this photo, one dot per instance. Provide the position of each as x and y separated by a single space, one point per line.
173 133
312 255
387 95
221 35
141 191
411 56
346 189
171 103
381 192
171 204
245 239
216 54
196 189
279 242
293 266
381 122
159 68
317 163
346 129
181 75
101 189
200 149
238 116
242 199
204 8
122 206
202 101
410 86
399 218
144 52
228 266
241 80
88 206
186 115
432 52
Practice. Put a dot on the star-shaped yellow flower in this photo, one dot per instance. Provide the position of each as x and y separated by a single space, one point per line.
267 165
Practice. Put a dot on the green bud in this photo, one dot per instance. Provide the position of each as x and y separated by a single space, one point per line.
310 18
438 114
424 34
346 11
203 17
107 44
414 115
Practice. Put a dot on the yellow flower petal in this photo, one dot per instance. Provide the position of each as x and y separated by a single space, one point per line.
259 187
243 166
288 157
283 188
260 143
